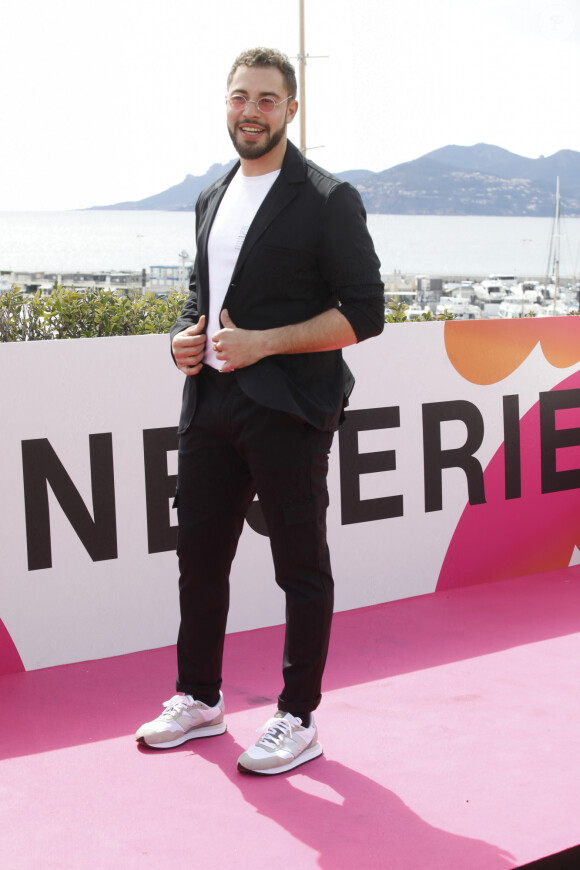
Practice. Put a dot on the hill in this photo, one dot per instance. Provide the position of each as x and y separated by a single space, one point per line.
477 180
180 197
454 180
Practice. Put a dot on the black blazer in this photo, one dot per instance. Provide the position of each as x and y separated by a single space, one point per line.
307 250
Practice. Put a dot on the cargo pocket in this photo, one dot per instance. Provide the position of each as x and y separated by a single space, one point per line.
306 511
176 506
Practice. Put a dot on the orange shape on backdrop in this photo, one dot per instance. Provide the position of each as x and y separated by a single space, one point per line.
487 351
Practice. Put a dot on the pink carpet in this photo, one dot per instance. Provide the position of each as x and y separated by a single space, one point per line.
450 727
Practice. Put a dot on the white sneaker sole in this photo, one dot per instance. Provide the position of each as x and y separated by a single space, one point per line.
308 755
202 731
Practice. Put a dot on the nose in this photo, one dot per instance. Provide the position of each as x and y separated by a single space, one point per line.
251 108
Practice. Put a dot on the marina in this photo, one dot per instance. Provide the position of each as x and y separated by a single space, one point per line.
488 267
479 297
492 297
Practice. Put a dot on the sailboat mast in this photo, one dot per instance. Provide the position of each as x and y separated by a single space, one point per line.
557 244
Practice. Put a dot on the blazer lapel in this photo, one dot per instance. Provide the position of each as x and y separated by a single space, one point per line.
282 192
276 200
203 231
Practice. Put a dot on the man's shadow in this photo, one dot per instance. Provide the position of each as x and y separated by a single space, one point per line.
349 819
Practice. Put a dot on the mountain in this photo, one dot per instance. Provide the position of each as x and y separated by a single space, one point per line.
180 197
476 180
454 180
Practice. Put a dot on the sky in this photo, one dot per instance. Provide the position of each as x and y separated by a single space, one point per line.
114 100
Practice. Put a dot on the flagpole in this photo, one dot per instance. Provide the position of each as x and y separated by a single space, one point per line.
301 58
302 82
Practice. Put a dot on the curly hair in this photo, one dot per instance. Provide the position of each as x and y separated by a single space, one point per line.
267 57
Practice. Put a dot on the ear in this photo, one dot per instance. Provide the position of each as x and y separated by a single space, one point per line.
292 111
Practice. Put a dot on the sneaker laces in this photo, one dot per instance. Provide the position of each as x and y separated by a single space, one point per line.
277 730
176 705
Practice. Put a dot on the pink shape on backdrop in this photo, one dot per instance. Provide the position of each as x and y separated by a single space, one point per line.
510 538
10 661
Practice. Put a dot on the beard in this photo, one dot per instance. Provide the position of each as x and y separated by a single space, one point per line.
253 151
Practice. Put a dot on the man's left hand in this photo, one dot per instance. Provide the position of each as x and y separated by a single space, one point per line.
235 347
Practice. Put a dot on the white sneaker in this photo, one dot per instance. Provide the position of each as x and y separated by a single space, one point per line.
183 719
284 745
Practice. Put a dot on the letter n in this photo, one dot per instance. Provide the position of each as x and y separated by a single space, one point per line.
42 468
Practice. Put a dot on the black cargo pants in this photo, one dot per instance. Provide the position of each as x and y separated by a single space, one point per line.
234 449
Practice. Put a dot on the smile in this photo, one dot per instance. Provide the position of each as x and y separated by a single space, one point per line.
248 130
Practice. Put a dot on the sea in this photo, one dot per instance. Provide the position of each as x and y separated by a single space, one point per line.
411 245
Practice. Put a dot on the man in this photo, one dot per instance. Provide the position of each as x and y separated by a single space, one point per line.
285 276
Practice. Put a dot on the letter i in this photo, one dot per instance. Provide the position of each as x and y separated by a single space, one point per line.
512 447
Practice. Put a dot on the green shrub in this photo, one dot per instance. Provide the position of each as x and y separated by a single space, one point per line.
79 314
396 312
71 313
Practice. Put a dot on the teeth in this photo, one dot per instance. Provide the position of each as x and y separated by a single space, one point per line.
252 129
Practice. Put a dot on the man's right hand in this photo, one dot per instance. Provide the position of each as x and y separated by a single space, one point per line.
188 348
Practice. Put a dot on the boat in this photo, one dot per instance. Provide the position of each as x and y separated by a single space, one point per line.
495 288
513 308
491 292
460 307
529 290
416 312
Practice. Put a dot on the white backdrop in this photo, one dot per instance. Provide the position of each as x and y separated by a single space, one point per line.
81 609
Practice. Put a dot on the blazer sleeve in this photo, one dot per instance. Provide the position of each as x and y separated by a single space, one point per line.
348 262
190 312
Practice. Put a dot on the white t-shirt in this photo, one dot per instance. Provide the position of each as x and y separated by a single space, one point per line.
236 212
